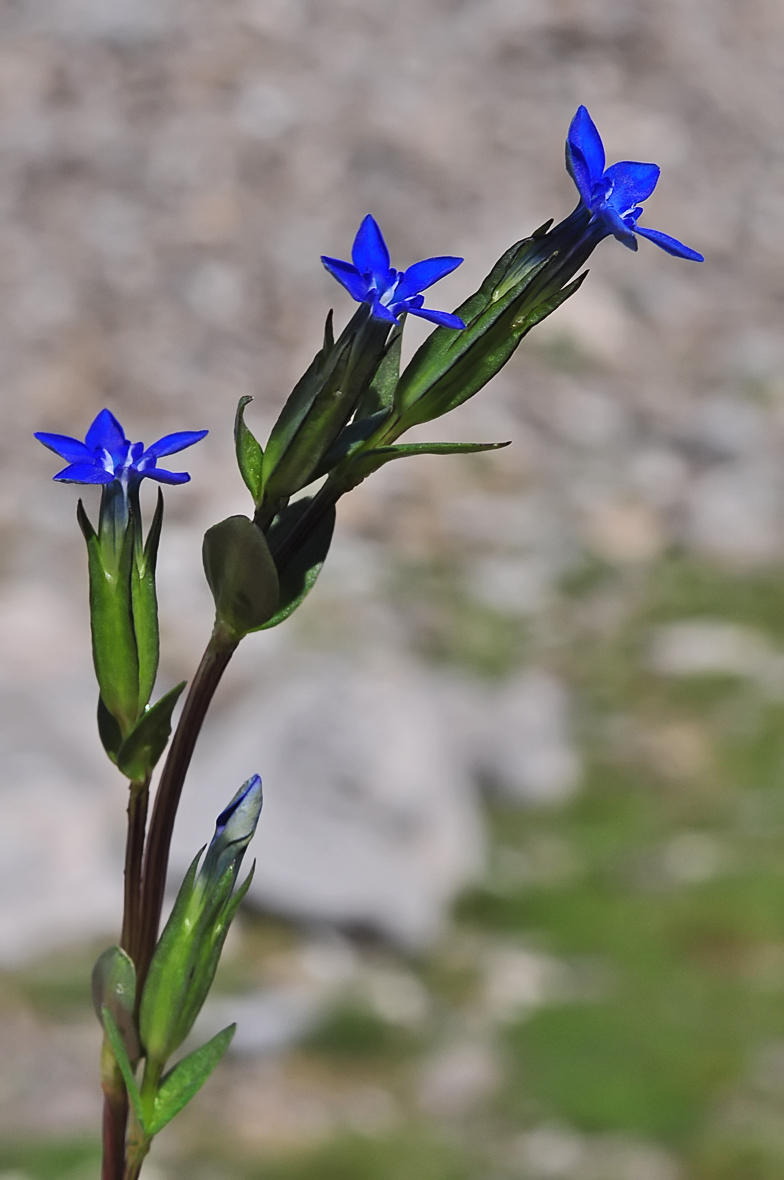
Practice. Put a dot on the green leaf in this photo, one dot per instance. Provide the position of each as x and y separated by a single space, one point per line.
241 574
111 622
186 1079
114 1038
250 456
145 605
367 462
114 988
299 574
108 731
139 753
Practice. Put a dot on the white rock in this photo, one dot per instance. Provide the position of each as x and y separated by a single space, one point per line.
516 736
457 1078
368 819
704 647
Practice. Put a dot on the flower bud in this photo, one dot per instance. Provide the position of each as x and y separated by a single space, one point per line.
186 958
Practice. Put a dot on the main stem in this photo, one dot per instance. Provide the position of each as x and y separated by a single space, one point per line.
219 651
115 1100
134 852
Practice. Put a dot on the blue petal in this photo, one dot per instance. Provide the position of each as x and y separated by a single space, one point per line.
84 473
369 252
106 433
618 227
631 183
444 318
422 275
67 448
671 245
349 276
166 476
584 153
171 443
382 312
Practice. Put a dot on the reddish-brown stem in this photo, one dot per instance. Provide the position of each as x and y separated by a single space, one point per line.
134 852
115 1119
219 651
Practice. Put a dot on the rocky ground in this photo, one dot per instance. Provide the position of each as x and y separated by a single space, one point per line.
547 681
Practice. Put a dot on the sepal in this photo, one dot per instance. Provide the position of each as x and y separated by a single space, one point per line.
115 653
144 598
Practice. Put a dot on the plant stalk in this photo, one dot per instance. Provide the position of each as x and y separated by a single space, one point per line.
220 649
134 852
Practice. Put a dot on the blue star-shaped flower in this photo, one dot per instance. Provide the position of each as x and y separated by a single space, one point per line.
613 194
369 278
107 455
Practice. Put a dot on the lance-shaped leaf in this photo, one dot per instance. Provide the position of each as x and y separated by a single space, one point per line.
365 463
298 573
138 755
114 988
241 574
145 601
180 1084
250 456
111 623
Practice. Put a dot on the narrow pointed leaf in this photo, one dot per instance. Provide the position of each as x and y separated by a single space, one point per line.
114 1038
250 456
367 462
299 574
139 753
187 1078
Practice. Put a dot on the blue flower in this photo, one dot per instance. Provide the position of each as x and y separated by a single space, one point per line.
613 195
370 279
107 455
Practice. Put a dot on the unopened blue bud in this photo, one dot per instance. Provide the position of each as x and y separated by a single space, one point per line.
186 958
234 829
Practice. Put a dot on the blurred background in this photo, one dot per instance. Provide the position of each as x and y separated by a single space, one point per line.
519 905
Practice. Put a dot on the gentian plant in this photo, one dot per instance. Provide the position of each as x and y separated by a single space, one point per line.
341 423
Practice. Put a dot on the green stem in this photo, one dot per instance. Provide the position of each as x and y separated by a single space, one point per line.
219 651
